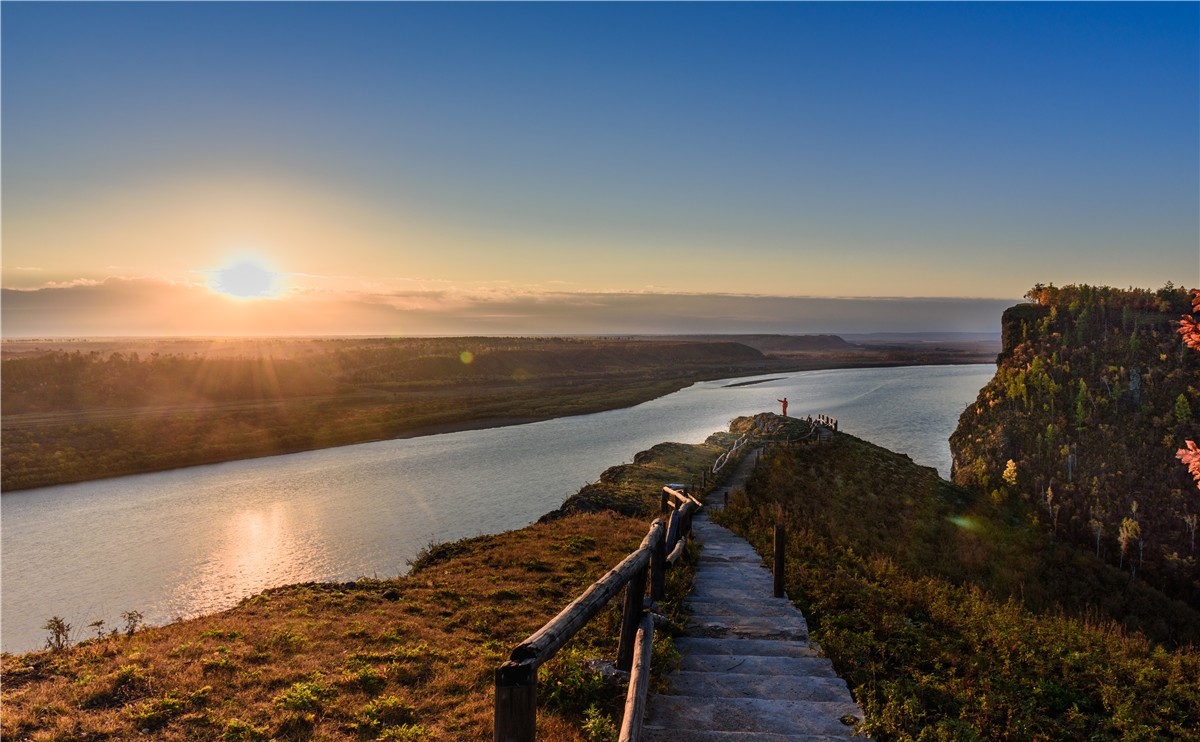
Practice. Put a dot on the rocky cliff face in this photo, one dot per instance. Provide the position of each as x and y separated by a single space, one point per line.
1094 392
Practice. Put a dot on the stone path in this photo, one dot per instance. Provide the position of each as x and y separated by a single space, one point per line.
749 672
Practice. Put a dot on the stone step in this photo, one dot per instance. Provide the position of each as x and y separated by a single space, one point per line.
748 586
734 577
659 734
746 605
748 627
735 647
710 537
742 685
774 716
732 593
813 666
731 558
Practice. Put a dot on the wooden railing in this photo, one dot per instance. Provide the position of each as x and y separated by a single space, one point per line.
724 458
516 679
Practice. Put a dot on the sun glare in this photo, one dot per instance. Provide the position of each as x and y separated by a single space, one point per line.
247 278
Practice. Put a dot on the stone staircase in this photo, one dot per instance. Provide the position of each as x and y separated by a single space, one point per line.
749 672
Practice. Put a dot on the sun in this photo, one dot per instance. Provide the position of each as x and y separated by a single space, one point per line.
247 277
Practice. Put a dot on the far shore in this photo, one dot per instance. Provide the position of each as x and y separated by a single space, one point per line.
304 423
463 426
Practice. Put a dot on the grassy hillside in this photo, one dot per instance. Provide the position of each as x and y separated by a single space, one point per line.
405 659
951 617
1093 394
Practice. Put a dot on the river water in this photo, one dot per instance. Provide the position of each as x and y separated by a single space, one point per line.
181 543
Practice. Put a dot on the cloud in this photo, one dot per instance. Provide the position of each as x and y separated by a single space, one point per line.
120 306
72 283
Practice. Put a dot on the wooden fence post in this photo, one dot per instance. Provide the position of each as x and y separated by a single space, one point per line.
635 593
673 529
780 547
516 702
662 507
658 566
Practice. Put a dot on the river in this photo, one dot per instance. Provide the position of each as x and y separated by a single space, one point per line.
181 543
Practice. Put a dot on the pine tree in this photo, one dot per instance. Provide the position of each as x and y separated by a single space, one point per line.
1183 410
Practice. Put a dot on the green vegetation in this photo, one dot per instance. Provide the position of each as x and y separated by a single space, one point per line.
405 659
952 617
1093 395
74 416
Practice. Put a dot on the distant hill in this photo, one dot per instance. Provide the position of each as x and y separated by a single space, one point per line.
774 343
1094 392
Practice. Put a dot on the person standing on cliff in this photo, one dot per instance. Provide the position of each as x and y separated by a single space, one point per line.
784 403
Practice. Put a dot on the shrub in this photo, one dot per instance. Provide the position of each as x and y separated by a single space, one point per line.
60 634
305 695
385 714
237 730
598 727
405 733
156 713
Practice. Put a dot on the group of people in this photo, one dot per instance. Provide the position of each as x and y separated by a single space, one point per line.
784 402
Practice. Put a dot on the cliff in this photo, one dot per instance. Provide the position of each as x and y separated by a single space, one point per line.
1094 392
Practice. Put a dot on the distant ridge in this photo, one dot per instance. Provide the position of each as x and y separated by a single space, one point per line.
773 343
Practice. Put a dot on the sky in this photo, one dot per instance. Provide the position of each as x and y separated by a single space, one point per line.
496 168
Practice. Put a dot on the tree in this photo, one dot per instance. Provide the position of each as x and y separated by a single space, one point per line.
1081 404
1189 327
1097 525
1052 508
1010 473
1130 532
1190 330
1190 456
1190 520
1183 410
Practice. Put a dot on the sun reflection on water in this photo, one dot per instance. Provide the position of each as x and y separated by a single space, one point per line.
260 548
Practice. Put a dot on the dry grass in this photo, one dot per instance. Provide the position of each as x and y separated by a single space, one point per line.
405 659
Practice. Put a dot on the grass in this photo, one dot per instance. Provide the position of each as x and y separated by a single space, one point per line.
405 659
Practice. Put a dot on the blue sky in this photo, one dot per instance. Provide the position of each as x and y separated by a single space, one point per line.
453 157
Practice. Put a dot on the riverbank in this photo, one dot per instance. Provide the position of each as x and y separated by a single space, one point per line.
70 417
405 659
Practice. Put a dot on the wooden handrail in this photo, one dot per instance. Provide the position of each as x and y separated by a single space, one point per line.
516 679
675 494
543 643
639 682
675 553
723 459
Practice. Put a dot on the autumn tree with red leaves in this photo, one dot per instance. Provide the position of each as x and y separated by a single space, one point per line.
1189 328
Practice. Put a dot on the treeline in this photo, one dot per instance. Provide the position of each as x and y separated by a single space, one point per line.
62 381
952 617
71 417
1094 393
